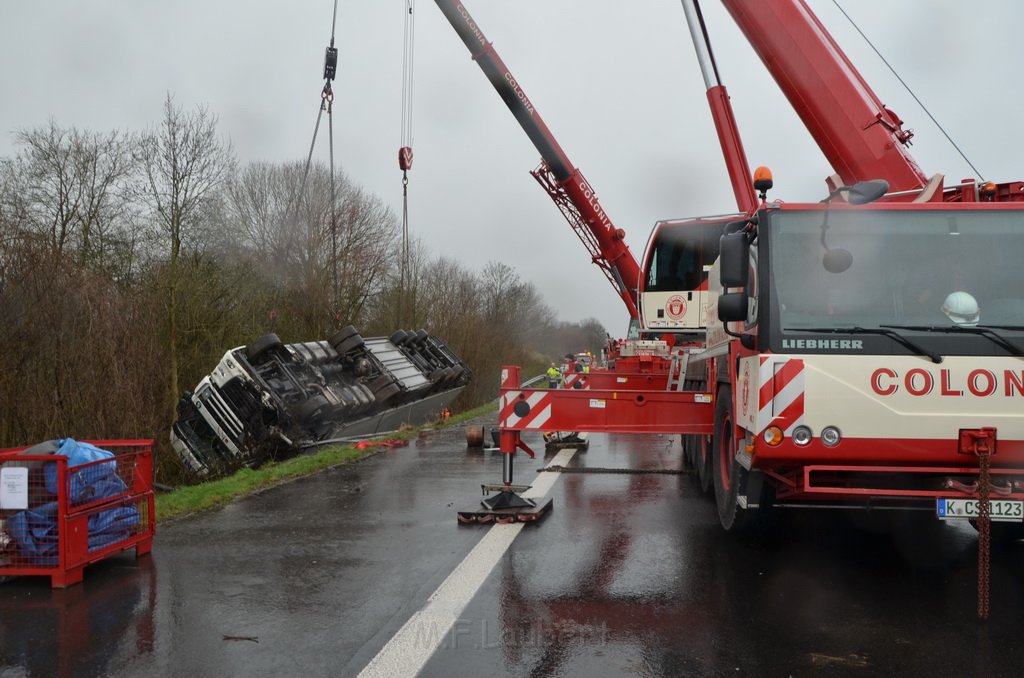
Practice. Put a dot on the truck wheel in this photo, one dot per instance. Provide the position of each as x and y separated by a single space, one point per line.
380 382
387 392
345 339
727 474
349 344
258 348
398 337
311 410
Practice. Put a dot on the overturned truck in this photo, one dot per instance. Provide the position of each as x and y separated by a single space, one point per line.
269 400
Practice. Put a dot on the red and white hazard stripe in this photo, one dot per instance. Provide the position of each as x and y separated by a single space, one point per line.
781 401
539 414
572 377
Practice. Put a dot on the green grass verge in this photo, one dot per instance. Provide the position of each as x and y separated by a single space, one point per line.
215 493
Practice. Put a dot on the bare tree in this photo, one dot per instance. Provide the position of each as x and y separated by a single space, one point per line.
365 250
327 262
69 189
184 163
512 307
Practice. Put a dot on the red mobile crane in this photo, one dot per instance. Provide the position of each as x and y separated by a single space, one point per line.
564 183
867 350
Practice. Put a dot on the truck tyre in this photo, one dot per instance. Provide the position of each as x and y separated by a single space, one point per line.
259 348
310 410
727 474
350 344
398 337
380 382
345 339
387 392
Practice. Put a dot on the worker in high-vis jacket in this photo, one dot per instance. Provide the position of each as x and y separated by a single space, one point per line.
553 376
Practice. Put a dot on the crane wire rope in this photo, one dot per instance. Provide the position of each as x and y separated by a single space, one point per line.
907 87
327 105
405 151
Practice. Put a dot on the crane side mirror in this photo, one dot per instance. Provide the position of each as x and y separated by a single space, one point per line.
863 192
732 307
734 255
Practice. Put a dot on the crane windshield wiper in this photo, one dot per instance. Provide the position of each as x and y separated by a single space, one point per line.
884 331
982 330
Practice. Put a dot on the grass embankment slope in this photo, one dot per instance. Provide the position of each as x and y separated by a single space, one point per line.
192 499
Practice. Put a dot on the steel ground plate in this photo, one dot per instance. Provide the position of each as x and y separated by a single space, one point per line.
479 515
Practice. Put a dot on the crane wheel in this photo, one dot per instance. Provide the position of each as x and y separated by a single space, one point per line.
703 462
726 473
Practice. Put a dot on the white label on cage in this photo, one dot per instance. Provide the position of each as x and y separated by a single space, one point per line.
14 488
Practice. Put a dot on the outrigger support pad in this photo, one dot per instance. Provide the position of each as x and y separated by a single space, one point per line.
506 505
507 499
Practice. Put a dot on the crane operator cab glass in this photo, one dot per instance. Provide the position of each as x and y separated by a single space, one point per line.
928 281
674 287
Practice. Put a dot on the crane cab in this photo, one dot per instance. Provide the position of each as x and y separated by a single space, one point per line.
674 282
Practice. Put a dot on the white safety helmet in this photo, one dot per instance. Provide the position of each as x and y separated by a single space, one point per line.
962 308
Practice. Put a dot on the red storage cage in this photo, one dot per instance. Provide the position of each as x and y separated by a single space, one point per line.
74 505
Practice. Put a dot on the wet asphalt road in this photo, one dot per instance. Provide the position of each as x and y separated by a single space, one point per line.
630 575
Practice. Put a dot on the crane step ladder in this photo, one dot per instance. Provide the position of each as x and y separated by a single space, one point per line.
680 358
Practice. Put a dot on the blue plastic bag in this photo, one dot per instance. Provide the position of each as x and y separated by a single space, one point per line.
93 483
35 530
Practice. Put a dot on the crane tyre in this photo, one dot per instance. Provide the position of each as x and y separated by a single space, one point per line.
703 462
1002 533
727 474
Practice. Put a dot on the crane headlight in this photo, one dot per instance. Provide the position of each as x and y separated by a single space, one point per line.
802 435
830 436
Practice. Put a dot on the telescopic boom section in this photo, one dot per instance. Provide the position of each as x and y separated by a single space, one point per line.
566 185
859 136
721 112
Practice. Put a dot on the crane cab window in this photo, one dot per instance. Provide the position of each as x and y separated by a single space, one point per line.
680 256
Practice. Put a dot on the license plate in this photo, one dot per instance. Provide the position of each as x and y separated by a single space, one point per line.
1005 510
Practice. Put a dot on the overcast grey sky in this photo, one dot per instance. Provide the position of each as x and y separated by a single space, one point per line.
616 81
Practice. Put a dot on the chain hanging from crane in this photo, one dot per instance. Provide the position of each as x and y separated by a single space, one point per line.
405 151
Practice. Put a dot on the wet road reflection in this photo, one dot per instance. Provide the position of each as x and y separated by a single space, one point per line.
630 575
75 631
633 576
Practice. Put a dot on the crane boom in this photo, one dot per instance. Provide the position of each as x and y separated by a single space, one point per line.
564 183
860 137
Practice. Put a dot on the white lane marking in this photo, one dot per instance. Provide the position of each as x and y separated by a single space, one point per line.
412 645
